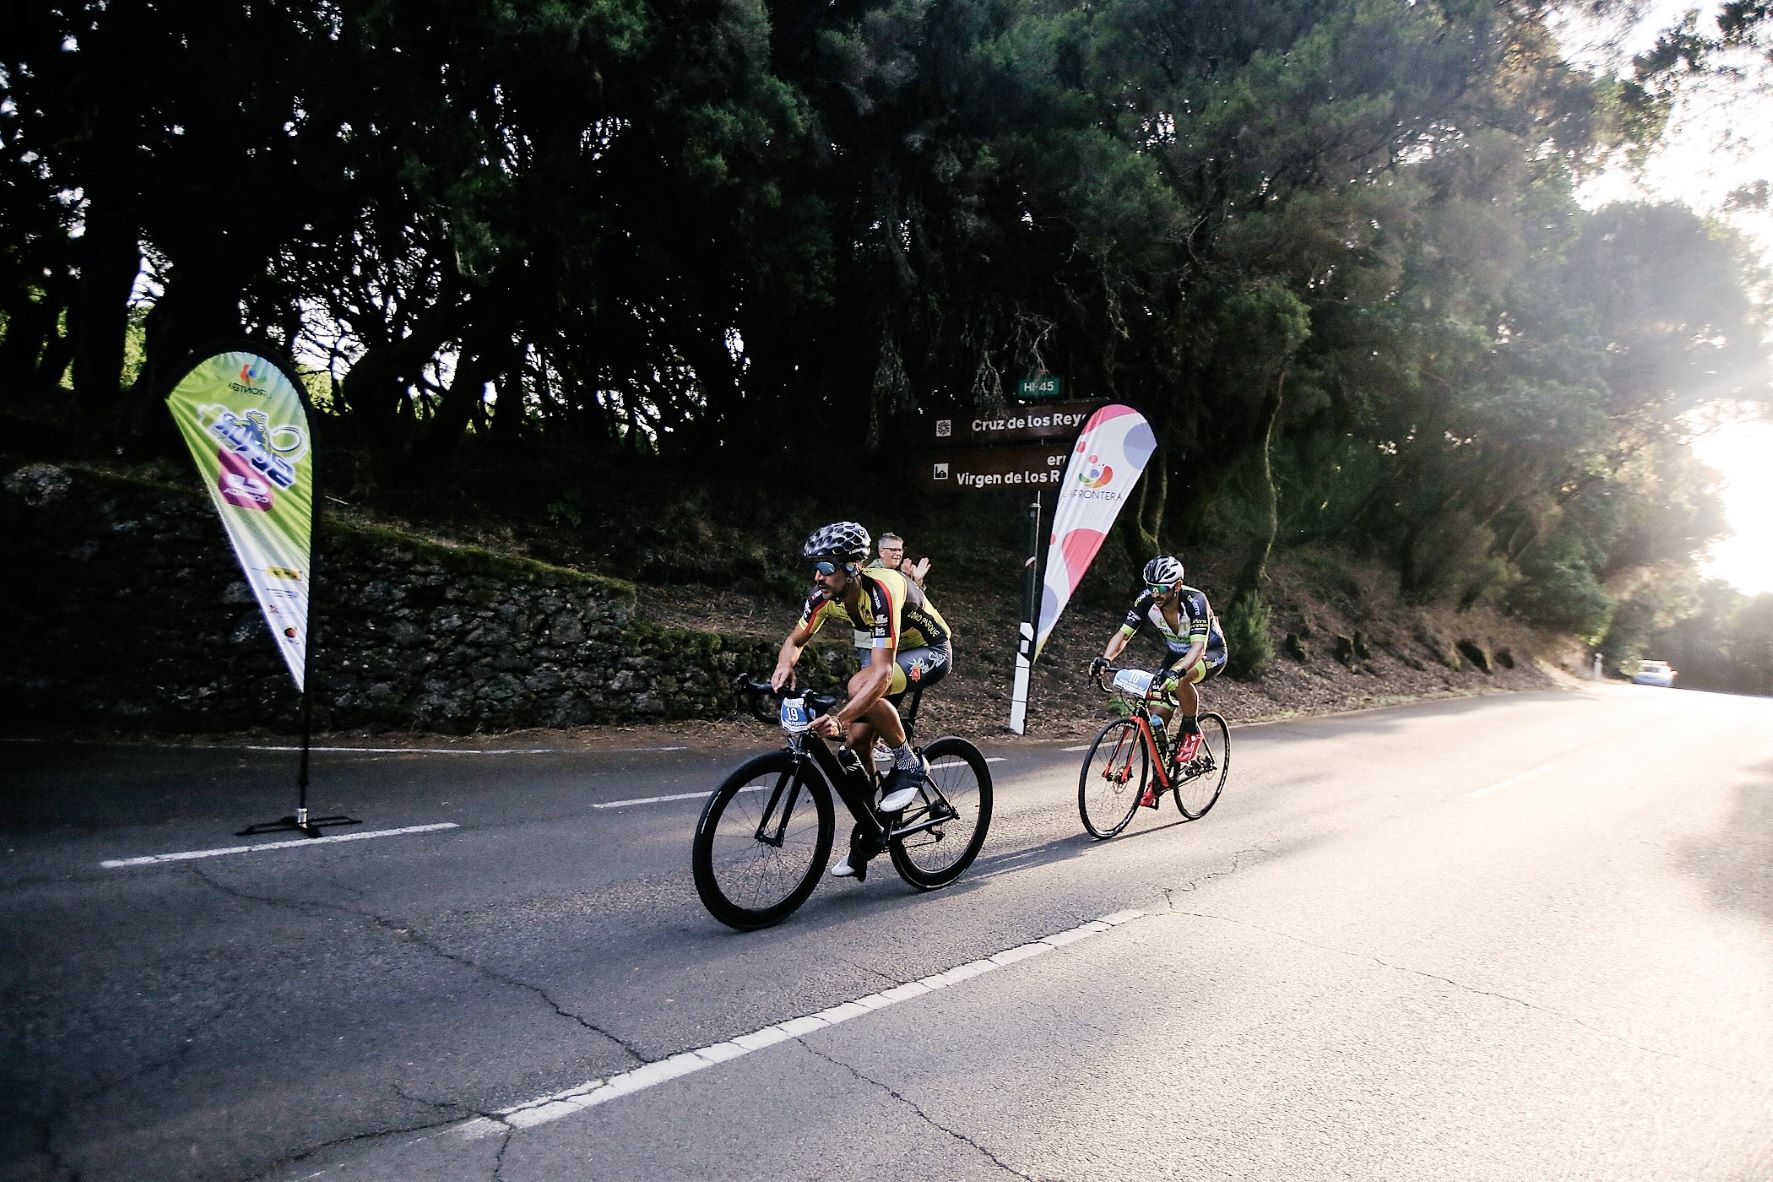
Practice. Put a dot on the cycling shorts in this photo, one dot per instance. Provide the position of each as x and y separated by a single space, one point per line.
918 667
1211 661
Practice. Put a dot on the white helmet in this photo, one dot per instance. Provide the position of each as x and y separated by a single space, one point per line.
1163 571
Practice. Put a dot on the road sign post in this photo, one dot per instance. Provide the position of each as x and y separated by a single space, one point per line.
1025 630
1025 448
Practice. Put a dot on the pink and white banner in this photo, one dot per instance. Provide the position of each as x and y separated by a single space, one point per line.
1110 455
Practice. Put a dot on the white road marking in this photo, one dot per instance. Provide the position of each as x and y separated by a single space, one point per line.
591 1093
452 750
1499 785
622 804
188 855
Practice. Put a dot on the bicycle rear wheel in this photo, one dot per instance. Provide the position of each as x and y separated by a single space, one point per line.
1201 779
1113 778
958 798
762 840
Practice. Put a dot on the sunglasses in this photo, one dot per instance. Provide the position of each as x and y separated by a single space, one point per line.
824 568
1158 588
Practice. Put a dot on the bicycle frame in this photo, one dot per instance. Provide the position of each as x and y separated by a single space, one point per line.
854 788
856 792
1141 714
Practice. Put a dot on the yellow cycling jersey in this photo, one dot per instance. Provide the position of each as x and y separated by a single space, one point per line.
893 612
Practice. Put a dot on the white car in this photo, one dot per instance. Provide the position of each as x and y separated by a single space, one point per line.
1654 673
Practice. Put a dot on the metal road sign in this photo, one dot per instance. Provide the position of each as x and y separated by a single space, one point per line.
1055 422
1022 466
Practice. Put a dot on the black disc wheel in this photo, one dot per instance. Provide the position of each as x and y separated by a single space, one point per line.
1113 778
948 820
1201 779
763 839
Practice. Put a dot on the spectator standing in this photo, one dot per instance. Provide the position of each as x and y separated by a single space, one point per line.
892 557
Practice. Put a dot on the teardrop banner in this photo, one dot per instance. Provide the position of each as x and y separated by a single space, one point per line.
1106 463
243 419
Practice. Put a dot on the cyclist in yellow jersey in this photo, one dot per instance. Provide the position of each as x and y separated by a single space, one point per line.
910 645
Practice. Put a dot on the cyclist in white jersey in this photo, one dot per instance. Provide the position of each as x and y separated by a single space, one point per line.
1190 631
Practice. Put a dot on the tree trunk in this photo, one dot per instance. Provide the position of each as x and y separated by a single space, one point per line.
98 321
30 327
375 388
1255 571
201 305
482 356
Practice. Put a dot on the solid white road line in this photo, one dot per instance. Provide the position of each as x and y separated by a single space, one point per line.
188 855
545 1109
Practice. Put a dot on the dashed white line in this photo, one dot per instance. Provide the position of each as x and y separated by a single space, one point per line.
1499 785
591 1093
189 855
622 804
703 795
453 750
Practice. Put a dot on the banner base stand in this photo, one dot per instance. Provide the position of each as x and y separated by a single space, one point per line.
300 823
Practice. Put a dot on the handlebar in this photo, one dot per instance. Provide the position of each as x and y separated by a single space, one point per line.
1097 673
760 692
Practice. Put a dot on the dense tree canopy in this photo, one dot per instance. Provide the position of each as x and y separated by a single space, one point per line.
1330 247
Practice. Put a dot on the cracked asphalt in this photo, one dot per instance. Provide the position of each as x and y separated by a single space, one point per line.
1515 937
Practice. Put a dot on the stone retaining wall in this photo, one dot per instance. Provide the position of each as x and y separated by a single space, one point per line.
124 605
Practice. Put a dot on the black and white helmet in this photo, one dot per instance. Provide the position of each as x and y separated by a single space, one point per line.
843 541
1163 570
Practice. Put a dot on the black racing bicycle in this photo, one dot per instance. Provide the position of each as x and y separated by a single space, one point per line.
1126 767
766 833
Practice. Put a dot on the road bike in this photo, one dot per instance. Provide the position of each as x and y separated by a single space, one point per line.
766 833
1126 767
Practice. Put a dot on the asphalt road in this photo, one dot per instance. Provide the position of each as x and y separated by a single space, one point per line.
1521 937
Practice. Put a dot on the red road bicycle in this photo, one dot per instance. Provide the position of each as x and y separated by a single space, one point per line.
1126 768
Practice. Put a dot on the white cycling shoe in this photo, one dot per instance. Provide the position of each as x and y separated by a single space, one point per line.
842 868
902 784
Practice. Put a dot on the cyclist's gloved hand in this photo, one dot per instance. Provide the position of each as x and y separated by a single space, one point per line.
1097 665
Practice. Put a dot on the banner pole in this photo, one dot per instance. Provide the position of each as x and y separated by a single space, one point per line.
1025 639
301 813
300 821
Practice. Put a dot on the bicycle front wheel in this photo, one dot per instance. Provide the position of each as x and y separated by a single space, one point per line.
763 838
1201 779
952 813
1113 778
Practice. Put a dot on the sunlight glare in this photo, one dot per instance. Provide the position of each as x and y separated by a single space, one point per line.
1742 454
